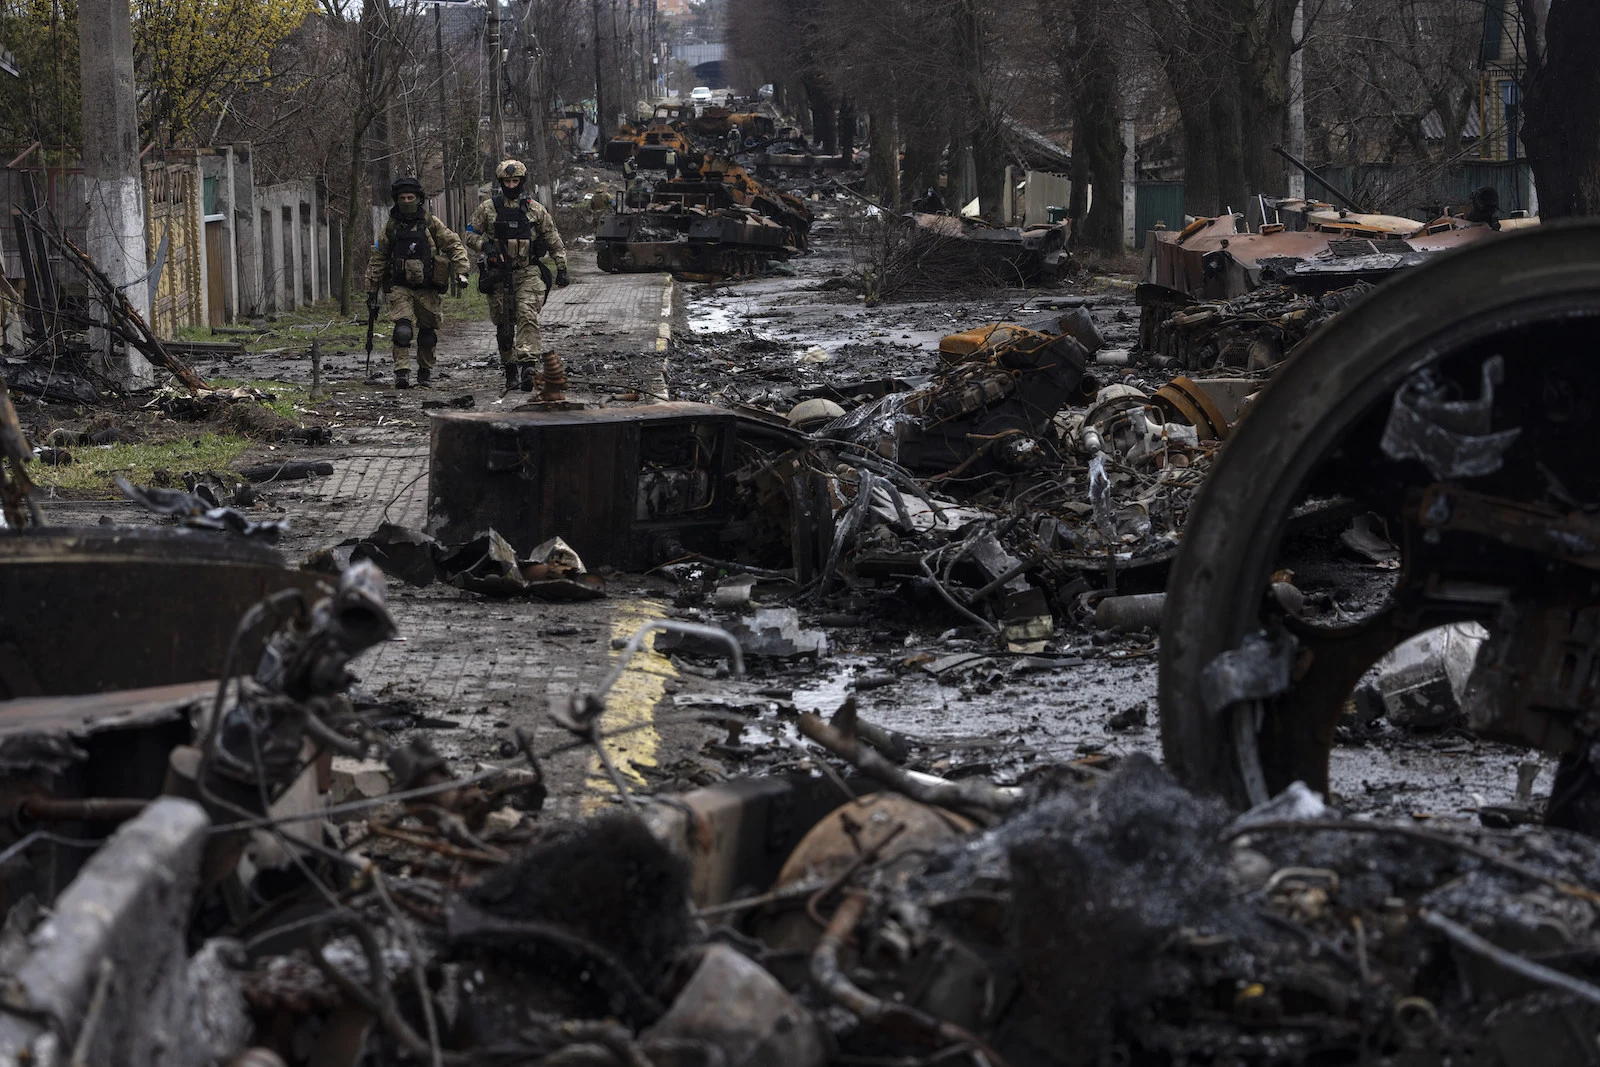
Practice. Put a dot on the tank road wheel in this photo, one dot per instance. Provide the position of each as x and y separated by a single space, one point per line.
1494 507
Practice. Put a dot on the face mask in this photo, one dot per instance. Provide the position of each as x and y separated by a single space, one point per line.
410 211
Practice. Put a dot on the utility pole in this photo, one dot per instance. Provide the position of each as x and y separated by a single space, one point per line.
497 111
116 227
655 63
444 115
599 90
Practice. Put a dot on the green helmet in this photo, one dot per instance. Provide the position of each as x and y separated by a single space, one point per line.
406 184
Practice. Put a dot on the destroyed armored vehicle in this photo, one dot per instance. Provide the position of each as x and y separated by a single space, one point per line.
719 222
1452 408
1211 284
1012 255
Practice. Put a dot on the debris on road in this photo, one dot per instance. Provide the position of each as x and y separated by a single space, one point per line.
772 920
812 724
487 565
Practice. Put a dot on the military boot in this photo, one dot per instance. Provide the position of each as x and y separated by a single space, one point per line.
402 379
424 376
526 377
513 376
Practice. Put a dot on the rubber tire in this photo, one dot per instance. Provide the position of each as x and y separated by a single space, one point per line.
1350 364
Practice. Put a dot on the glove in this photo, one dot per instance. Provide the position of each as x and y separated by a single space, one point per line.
372 301
461 280
562 279
493 254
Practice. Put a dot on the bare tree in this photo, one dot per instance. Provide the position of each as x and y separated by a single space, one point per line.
376 35
1085 39
1561 97
1227 64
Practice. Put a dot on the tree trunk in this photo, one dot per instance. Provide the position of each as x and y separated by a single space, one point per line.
1227 121
1097 135
823 128
988 135
990 151
920 171
1263 53
1202 186
847 128
1560 99
358 137
1234 106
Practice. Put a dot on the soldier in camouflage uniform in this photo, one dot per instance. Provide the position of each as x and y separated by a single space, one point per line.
414 255
513 232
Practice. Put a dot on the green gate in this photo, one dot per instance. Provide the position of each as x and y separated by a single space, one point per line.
1156 202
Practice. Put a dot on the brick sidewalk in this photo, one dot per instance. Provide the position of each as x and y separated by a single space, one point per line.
628 308
371 484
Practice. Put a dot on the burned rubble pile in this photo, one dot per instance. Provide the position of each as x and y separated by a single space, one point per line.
280 868
1008 484
1103 914
1252 332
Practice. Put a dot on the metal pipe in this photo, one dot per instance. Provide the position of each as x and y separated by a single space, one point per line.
80 809
1341 197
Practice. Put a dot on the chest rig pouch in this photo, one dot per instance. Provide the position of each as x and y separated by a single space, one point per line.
514 230
411 255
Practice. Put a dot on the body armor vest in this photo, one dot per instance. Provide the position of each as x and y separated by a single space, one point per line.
514 230
411 253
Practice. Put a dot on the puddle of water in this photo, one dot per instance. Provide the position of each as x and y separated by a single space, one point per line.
828 693
713 316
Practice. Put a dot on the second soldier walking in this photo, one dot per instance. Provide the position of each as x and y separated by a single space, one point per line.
513 232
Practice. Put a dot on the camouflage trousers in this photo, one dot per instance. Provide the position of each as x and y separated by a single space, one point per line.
425 309
518 316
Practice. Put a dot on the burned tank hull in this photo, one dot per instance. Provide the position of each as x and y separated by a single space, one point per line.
722 243
619 149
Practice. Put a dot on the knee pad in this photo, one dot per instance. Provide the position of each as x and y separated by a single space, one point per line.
426 338
402 332
505 334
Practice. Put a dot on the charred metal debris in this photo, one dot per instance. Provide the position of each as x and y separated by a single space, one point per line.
1012 487
259 871
233 890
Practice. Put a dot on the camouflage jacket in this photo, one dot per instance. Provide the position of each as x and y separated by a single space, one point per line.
545 239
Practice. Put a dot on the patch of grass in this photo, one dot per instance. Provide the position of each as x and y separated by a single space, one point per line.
297 328
94 466
287 397
321 321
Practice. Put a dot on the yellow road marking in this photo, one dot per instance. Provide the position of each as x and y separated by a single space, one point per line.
632 701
